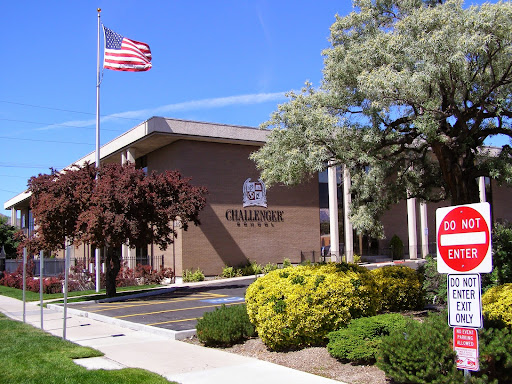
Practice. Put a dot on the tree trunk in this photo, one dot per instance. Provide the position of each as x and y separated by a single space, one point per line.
113 264
459 174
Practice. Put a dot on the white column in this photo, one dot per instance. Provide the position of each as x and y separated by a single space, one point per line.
481 188
125 250
347 199
411 224
130 155
333 212
14 219
424 229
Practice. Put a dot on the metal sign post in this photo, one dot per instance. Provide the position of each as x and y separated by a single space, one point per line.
24 282
66 279
41 284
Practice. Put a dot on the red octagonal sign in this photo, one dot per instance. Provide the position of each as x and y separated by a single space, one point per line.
464 239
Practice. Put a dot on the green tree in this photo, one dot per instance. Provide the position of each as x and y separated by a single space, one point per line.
8 238
410 91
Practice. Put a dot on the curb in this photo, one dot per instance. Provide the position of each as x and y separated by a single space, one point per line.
173 335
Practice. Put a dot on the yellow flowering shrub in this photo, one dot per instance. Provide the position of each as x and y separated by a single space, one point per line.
399 288
497 303
298 306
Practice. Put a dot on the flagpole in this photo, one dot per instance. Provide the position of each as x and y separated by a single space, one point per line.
98 81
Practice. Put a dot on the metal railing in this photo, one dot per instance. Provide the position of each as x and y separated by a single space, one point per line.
56 266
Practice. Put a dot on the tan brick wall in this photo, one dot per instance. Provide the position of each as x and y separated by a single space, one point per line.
223 169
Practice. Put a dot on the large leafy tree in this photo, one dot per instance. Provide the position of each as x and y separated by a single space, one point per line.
122 206
411 90
8 237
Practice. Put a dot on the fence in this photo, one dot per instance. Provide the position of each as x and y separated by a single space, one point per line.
56 267
308 256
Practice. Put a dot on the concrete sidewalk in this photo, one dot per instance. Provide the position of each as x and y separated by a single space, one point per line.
155 351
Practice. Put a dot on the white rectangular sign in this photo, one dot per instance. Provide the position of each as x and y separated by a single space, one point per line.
464 302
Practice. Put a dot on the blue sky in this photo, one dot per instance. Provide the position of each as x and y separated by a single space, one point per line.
223 61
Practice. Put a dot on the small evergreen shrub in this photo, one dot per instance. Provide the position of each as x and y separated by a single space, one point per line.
497 304
495 350
397 248
434 283
225 326
192 276
298 306
287 263
359 341
399 288
420 353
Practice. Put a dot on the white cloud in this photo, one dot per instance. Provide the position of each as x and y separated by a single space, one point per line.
143 114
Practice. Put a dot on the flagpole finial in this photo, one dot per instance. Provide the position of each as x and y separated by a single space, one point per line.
99 10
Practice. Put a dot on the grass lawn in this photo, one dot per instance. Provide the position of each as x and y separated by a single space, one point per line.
84 295
29 355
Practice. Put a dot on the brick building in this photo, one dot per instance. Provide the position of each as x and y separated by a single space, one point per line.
243 221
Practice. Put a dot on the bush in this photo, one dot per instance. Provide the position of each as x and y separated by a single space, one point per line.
397 248
495 350
269 268
192 276
420 353
228 272
225 326
399 288
501 257
252 268
434 283
298 306
359 341
148 275
497 304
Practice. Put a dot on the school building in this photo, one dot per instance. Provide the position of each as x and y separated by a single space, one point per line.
243 220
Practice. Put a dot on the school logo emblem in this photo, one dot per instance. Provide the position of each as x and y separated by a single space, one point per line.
255 194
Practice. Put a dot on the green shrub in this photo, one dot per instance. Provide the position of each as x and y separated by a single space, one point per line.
420 353
399 288
298 306
192 276
287 263
495 350
501 257
252 268
228 272
397 248
434 283
359 341
225 326
269 267
497 304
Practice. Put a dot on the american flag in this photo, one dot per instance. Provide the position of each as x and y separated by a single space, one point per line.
122 54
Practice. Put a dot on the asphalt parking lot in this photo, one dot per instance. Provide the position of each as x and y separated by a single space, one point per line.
177 310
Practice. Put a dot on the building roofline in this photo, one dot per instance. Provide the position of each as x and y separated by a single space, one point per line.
158 132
